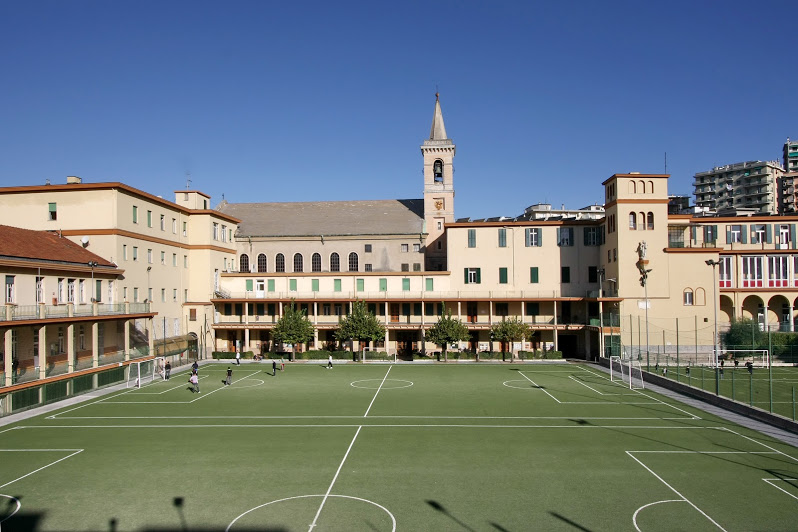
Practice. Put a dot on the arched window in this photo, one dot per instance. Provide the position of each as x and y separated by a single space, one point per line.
353 262
642 225
279 263
651 187
335 263
315 262
642 187
297 262
688 296
700 297
632 220
437 171
261 262
632 187
243 263
650 221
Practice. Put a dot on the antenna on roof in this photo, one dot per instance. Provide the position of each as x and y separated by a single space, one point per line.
188 180
666 162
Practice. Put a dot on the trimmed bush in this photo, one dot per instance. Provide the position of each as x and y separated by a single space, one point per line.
227 355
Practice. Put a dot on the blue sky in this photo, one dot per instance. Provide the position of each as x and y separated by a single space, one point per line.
304 101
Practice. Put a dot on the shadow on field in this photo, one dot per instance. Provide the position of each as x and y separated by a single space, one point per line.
568 521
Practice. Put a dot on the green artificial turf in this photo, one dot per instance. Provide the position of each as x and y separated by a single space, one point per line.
371 447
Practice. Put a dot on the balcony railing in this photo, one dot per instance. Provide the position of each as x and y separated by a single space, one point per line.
418 295
11 312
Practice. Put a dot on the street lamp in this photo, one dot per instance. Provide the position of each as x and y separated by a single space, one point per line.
601 272
92 265
644 281
714 264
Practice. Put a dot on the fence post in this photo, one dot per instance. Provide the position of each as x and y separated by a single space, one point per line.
751 388
677 353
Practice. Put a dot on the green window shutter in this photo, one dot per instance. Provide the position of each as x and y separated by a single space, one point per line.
728 234
135 214
430 283
540 236
417 309
406 285
292 285
479 275
472 238
336 285
558 236
744 233
502 237
601 236
51 207
769 234
270 285
533 274
98 293
383 285
314 285
566 274
693 230
249 285
465 271
585 231
792 235
570 235
526 236
361 285
502 275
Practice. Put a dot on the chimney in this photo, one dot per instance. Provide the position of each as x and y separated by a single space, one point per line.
74 180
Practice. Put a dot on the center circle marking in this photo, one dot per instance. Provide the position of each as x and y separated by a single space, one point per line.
375 384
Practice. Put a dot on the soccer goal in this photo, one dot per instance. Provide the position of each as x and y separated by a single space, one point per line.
627 373
141 373
759 357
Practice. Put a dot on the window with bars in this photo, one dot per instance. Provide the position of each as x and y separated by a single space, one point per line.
335 263
298 262
315 262
353 262
279 263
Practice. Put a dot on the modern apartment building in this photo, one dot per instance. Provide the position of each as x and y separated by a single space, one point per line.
791 155
747 185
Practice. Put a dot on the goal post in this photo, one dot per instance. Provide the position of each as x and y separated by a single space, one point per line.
759 357
626 373
144 372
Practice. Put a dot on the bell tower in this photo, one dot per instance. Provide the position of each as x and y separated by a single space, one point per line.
438 152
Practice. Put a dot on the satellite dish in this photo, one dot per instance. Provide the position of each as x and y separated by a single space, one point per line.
85 241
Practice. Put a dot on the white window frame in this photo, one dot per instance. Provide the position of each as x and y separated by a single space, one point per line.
725 279
753 271
778 271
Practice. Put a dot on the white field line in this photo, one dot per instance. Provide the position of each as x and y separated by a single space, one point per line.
760 443
591 388
539 388
685 412
377 417
685 499
377 392
223 387
84 405
771 480
353 425
74 452
313 524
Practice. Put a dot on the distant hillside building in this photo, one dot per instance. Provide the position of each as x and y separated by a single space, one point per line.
751 184
791 155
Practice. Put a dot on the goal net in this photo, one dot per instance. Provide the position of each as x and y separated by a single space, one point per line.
759 357
144 372
627 373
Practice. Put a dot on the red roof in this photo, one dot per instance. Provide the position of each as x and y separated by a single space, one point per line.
44 245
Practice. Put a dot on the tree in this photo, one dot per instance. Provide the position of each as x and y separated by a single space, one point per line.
448 330
360 324
744 334
510 331
293 327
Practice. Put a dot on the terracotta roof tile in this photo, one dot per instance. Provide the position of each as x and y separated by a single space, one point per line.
16 242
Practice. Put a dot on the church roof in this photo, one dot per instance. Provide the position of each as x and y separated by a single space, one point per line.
329 218
438 130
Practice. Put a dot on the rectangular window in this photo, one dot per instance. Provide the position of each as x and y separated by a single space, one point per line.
383 285
215 231
98 290
10 288
417 248
174 295
174 260
532 308
163 258
52 210
592 274
135 214
675 237
270 285
472 238
163 295
734 234
405 267
725 272
404 248
367 267
336 285
565 236
149 295
416 309
314 285
185 228
292 285
124 251
174 231
534 237
502 237
688 297
163 223
185 295
565 274
135 295
224 233
502 275
149 256
185 261
405 285
502 309
429 284
710 234
368 248
81 291
429 309
758 234
777 271
40 290
360 285
752 271
70 290
594 236
472 276
59 295
149 218
533 275
416 266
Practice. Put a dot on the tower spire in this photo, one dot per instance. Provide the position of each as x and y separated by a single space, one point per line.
438 130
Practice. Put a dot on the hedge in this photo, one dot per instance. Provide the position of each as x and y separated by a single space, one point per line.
225 355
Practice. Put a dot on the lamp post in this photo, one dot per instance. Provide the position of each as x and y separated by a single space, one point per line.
601 273
92 265
714 264
644 281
